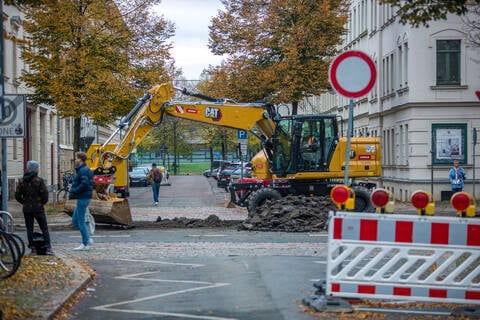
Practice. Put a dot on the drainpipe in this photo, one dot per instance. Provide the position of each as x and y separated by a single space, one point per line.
380 86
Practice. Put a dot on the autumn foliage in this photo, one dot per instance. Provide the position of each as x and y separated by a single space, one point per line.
92 57
279 49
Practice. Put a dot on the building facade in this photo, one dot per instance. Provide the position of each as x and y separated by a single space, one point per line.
424 105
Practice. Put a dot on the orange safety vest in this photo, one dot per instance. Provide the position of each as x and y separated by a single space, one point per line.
311 140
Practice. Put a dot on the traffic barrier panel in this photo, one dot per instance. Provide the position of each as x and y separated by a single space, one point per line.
404 257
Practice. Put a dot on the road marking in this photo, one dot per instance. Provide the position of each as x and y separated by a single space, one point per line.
322 235
164 262
206 235
178 315
138 276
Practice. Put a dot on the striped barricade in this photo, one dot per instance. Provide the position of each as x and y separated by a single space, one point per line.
403 257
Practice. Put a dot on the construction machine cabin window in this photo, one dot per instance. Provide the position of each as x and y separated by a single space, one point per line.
311 147
282 146
318 137
307 149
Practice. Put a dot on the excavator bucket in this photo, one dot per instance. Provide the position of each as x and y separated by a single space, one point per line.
114 211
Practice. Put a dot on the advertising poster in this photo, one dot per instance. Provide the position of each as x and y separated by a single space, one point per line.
449 142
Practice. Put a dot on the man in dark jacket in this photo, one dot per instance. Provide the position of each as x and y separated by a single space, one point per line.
82 189
32 193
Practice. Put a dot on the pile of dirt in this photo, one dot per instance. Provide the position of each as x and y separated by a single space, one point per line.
212 221
290 214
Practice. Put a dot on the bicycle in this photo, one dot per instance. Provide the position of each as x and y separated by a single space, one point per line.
12 247
67 180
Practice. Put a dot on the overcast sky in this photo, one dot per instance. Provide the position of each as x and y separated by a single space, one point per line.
190 44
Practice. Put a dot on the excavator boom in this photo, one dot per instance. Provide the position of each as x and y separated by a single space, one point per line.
157 103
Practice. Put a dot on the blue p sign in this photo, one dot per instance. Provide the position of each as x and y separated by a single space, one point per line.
242 134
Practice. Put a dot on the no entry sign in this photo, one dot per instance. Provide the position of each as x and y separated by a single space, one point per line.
352 74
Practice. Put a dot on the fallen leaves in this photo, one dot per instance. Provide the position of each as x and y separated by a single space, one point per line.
37 279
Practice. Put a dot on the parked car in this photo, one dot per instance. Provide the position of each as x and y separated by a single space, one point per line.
209 172
216 166
223 175
138 176
238 173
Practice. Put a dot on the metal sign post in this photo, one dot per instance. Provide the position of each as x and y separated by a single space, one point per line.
4 141
349 138
473 171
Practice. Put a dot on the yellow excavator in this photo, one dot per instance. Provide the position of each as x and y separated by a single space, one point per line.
302 154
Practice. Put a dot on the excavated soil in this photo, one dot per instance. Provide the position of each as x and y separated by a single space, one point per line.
289 214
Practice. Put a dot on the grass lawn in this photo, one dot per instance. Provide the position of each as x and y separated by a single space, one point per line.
192 167
185 167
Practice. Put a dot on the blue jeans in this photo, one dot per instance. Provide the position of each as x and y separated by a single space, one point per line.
155 189
79 220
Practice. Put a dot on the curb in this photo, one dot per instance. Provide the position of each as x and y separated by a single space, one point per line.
81 279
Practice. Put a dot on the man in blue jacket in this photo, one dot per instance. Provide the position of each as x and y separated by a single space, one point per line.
456 175
82 189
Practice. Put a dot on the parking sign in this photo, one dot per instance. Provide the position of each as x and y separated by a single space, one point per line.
242 134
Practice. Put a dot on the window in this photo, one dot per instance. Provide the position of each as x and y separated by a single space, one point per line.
372 16
392 72
448 62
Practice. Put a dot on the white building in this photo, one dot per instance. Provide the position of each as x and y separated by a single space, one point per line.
423 106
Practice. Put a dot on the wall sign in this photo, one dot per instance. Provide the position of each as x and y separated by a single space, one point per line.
449 142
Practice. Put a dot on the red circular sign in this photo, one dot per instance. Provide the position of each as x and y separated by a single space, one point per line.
352 74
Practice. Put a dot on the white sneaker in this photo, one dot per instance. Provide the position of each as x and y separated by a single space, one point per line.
90 241
82 247
155 203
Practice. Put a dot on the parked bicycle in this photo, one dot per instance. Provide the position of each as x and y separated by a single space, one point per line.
12 247
67 180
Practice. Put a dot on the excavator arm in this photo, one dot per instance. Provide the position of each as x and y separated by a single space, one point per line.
256 118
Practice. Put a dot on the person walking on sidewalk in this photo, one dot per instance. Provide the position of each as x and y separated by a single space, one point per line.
155 178
457 176
32 193
81 190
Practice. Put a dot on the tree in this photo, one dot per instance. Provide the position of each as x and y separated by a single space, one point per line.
220 138
92 57
174 134
277 49
420 12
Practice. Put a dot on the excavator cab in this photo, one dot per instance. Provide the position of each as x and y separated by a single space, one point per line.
304 144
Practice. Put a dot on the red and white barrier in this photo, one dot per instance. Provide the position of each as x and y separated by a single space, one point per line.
419 258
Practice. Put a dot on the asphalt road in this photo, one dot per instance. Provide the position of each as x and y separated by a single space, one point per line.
196 273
